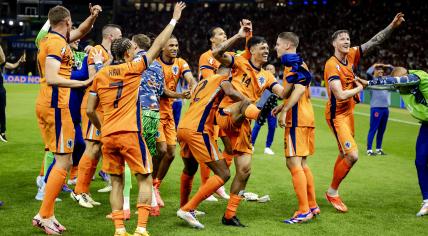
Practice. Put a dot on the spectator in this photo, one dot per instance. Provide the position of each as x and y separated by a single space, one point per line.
379 112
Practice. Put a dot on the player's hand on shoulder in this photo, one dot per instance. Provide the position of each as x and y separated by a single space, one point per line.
97 56
95 10
179 7
88 49
398 19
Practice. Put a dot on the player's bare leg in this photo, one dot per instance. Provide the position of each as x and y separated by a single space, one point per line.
237 189
161 167
145 183
45 219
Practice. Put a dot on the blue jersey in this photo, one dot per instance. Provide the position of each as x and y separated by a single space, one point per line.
79 72
151 86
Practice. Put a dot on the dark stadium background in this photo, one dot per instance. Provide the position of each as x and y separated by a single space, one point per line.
313 20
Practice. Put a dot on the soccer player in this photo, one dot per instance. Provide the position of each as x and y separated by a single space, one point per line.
296 115
173 68
196 137
343 93
151 89
379 112
115 88
208 66
53 114
413 88
10 66
271 119
250 79
89 161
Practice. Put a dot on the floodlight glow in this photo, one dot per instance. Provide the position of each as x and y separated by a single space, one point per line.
11 22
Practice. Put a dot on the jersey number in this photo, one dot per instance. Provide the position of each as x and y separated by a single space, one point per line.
119 86
201 86
245 80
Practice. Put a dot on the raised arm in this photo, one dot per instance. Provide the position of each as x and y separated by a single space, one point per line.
219 52
382 35
12 66
86 25
163 37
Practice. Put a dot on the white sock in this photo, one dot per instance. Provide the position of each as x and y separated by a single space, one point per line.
332 192
126 203
154 202
141 229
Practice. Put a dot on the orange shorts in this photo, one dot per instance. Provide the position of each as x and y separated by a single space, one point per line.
89 131
57 128
126 146
299 141
343 129
201 146
167 132
240 135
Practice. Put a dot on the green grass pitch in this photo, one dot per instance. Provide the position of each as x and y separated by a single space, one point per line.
382 193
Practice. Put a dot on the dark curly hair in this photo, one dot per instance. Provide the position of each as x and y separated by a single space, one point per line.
118 49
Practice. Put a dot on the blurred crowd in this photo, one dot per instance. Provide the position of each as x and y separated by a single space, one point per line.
314 25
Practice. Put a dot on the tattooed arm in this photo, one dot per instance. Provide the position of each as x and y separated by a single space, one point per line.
382 35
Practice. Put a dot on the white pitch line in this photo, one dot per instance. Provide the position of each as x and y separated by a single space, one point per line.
368 115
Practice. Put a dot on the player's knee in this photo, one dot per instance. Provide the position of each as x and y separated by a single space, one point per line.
353 157
224 175
161 151
244 172
190 169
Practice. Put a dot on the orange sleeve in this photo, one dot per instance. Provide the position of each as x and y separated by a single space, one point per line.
184 67
56 48
237 61
330 71
205 67
355 55
271 81
138 65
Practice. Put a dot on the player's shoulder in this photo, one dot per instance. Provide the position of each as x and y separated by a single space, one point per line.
53 39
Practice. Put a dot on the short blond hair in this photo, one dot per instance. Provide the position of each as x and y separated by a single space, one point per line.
57 14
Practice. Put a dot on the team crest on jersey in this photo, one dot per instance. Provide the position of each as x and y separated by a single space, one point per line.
63 51
348 145
70 143
262 81
338 67
211 61
175 70
98 132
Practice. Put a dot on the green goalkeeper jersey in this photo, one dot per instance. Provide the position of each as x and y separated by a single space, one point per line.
417 110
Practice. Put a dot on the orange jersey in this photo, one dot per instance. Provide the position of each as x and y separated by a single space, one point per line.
117 89
208 65
91 62
249 80
336 70
301 114
172 73
55 46
204 102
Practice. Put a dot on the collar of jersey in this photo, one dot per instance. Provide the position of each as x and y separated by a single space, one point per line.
164 62
256 68
345 64
54 32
